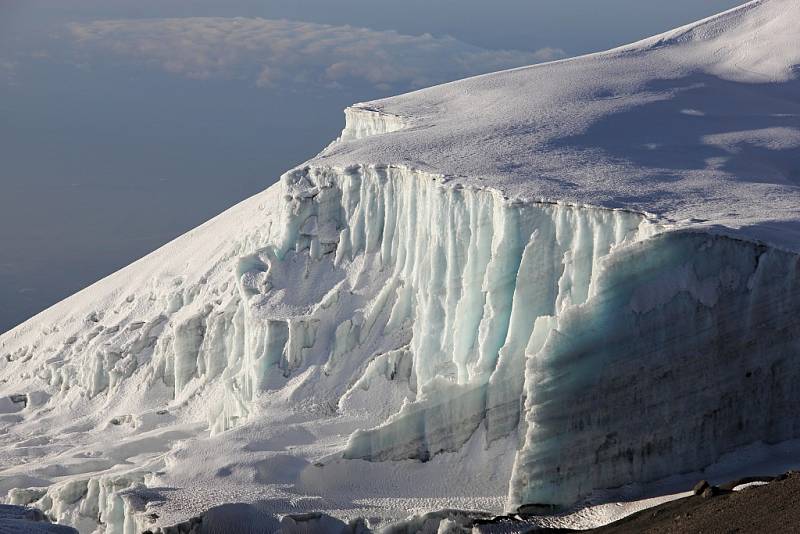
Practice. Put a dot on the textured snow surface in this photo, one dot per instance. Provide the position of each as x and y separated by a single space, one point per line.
699 126
533 286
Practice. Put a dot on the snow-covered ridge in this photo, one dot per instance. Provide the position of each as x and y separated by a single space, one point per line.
731 42
637 127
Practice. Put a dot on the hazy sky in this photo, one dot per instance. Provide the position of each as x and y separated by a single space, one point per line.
125 123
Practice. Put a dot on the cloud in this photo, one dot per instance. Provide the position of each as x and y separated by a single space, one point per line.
280 52
8 71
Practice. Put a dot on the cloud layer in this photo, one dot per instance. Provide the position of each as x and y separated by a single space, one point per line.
8 70
281 52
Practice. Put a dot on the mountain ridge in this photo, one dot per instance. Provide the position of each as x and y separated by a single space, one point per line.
491 289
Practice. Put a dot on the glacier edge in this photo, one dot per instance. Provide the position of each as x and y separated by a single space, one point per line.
542 322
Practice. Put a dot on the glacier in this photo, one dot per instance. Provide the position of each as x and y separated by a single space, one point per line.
533 286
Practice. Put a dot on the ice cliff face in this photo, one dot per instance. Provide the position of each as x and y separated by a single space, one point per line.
688 350
374 314
463 276
361 122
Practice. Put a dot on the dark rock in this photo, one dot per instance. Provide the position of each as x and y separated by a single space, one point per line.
710 491
537 509
19 399
700 487
496 519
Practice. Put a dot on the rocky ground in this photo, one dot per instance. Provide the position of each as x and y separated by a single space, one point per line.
772 508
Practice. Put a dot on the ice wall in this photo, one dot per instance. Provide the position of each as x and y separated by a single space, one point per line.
87 503
687 350
632 354
395 259
361 121
470 273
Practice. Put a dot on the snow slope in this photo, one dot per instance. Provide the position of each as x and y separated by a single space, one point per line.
525 287
697 123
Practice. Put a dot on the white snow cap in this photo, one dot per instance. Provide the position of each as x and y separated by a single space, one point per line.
637 127
755 42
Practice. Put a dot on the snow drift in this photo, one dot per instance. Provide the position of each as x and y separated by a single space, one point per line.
519 288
